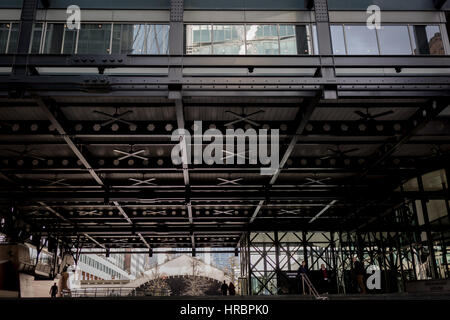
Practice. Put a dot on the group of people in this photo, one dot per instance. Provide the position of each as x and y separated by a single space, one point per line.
228 289
324 279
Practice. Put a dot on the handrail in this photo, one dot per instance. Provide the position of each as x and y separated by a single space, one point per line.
312 289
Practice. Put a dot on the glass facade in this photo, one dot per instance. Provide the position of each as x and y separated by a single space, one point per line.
225 39
104 38
394 40
199 39
9 37
250 39
427 40
388 40
361 40
140 39
228 39
94 38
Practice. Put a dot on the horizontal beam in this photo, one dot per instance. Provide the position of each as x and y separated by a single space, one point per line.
163 164
220 230
275 62
153 196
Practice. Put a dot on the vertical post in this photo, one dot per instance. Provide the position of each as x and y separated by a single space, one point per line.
277 258
342 267
400 257
445 189
27 18
434 270
325 47
360 247
249 260
383 261
176 36
305 252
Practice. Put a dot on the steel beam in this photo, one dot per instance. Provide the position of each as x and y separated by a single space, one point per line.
302 118
210 61
157 133
420 119
153 197
28 15
51 115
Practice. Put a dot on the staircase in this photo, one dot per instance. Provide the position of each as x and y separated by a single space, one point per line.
312 290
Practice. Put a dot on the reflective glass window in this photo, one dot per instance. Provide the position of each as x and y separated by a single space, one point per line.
4 36
338 39
289 38
394 40
198 39
13 38
315 39
36 38
94 38
70 41
361 40
9 37
140 39
228 39
427 40
54 35
262 39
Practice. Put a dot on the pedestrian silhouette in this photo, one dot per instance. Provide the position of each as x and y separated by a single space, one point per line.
53 290
224 288
231 289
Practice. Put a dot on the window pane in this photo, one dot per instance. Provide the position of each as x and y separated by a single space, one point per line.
361 40
262 39
394 40
4 33
53 38
13 38
315 39
434 181
338 40
70 40
228 39
198 39
94 38
428 40
289 41
36 38
140 39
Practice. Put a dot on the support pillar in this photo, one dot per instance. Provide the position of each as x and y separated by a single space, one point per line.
325 47
434 269
27 18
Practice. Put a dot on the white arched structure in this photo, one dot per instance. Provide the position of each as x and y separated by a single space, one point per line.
179 266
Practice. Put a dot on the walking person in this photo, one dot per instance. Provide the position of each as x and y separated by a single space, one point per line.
324 279
54 290
224 288
231 289
359 273
302 272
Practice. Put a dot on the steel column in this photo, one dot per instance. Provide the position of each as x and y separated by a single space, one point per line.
430 244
